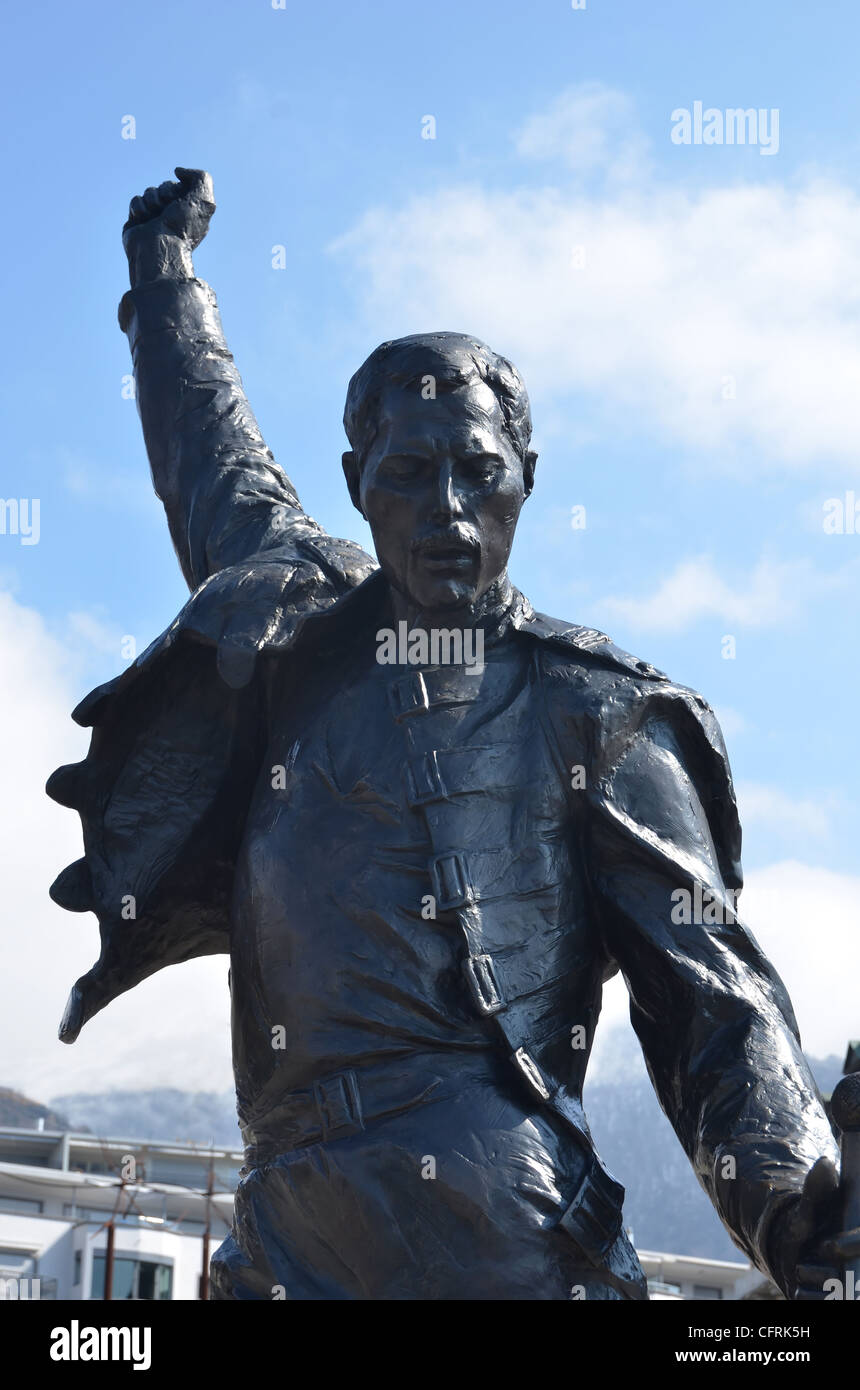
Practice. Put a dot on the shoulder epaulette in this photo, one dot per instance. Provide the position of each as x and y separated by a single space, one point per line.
572 637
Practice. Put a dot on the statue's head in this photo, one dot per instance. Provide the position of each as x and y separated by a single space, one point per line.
440 465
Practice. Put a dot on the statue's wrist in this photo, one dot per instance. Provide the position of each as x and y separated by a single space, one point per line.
158 257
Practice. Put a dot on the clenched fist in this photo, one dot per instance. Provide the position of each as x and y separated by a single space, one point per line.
165 224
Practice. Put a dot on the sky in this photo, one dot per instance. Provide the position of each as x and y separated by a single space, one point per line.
685 316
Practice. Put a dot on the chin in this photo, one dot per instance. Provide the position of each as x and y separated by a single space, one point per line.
450 597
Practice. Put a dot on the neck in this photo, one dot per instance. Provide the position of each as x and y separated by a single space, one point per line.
488 612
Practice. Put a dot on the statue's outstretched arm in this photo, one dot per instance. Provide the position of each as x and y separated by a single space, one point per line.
225 497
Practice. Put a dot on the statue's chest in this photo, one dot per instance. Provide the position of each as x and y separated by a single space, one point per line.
374 770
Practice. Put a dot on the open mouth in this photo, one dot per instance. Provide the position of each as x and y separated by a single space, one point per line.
441 557
447 552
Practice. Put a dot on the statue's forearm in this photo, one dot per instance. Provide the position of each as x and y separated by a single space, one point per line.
155 256
224 495
719 1037
759 1123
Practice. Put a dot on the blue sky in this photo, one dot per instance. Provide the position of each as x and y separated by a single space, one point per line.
693 381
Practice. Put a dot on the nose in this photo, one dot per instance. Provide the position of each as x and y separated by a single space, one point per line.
446 503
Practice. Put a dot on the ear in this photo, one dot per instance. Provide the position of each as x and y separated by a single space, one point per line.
352 473
529 461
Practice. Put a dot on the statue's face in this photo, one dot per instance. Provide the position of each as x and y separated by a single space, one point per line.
441 488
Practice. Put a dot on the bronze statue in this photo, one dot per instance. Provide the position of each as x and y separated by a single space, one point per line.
427 823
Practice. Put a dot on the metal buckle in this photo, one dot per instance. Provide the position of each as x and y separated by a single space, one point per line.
338 1105
408 695
594 1216
451 885
424 779
531 1072
484 984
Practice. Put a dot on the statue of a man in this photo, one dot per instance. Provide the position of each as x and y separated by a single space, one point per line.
423 864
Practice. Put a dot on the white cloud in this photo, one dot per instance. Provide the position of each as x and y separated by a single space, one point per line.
590 129
698 589
95 632
807 921
800 816
717 318
174 1029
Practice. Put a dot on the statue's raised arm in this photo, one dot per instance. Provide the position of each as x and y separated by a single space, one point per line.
225 497
178 736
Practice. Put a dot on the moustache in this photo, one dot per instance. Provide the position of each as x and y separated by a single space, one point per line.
453 539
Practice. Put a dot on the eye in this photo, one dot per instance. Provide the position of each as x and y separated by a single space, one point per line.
402 468
482 469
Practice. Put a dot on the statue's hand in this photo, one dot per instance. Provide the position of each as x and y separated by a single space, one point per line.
166 223
813 1247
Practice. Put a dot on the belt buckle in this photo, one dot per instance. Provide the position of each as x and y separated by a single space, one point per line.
452 887
424 779
408 695
338 1105
594 1216
484 984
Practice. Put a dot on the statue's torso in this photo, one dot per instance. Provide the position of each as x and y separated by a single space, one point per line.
335 943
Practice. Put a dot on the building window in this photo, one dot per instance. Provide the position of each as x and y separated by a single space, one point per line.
706 1291
22 1204
77 1275
135 1279
21 1263
100 1214
660 1288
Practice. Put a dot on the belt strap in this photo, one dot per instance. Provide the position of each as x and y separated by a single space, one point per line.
344 1104
458 876
433 687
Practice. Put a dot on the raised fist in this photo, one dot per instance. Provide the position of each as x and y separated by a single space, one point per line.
167 223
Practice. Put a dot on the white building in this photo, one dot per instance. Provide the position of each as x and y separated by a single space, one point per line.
690 1277
59 1190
